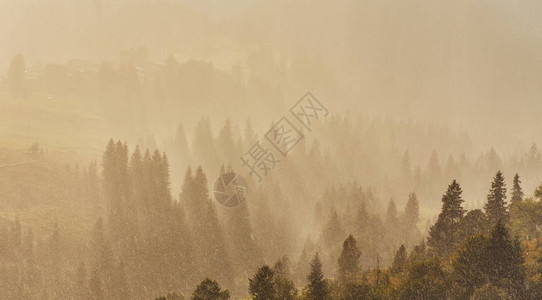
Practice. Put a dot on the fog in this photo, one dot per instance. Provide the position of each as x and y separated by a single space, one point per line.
117 117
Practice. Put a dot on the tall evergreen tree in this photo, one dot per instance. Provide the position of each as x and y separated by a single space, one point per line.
442 235
284 285
391 214
206 229
411 217
226 149
400 259
262 285
495 206
349 260
317 289
333 232
496 260
517 192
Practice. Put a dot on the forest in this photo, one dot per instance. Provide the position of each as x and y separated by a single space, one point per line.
147 243
421 178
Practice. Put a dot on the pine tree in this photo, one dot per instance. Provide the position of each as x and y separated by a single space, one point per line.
442 239
317 289
411 217
349 260
225 145
433 168
245 252
505 261
475 222
285 287
517 192
495 206
400 259
391 214
261 286
210 290
206 228
333 232
496 260
204 150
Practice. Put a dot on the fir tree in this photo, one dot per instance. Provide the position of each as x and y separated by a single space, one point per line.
495 206
285 287
410 218
442 235
317 289
517 192
349 260
505 261
496 259
333 232
400 259
391 214
210 290
262 286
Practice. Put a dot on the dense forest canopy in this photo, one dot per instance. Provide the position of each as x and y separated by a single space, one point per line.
420 179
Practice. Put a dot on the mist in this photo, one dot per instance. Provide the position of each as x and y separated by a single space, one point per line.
120 121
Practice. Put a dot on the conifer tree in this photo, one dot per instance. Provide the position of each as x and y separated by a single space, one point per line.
425 280
333 232
262 284
400 259
349 260
225 145
317 289
495 206
210 290
497 260
411 217
517 192
433 168
285 287
391 214
206 229
442 235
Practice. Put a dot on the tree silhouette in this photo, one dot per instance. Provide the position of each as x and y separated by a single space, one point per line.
495 206
317 289
517 192
209 290
262 286
442 239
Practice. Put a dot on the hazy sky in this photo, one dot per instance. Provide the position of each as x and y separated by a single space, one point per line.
473 64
